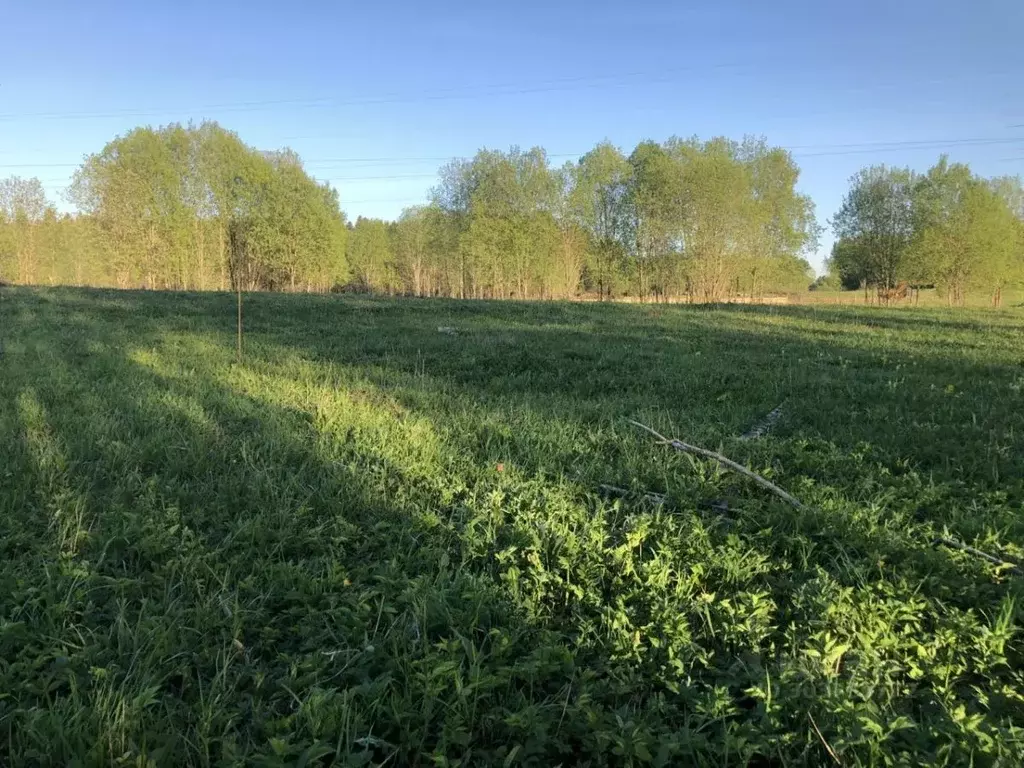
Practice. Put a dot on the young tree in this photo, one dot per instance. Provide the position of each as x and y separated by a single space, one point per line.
716 221
600 193
569 257
410 240
877 215
784 226
653 204
23 205
369 253
966 232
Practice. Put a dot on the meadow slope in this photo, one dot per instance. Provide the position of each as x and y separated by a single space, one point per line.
378 542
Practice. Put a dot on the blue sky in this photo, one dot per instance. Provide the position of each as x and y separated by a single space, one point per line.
372 95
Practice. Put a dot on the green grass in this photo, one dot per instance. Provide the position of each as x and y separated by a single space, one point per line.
377 543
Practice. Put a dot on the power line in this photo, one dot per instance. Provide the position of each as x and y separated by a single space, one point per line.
382 200
897 146
382 178
457 92
905 143
391 160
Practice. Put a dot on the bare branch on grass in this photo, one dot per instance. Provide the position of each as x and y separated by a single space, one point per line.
765 425
828 747
679 445
614 490
954 544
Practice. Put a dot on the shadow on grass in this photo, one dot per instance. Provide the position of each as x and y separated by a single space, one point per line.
221 569
223 590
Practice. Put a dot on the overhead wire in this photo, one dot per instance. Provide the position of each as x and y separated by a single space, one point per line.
840 149
456 92
583 82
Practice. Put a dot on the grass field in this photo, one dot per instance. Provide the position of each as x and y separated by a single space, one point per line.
376 542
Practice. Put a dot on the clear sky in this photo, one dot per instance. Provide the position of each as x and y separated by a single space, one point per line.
375 95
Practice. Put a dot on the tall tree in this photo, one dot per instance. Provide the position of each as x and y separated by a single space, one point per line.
411 249
716 220
785 229
569 257
653 203
878 215
163 199
966 232
601 191
370 255
23 205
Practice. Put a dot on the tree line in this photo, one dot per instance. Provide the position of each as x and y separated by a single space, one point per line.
194 207
948 228
702 219
178 207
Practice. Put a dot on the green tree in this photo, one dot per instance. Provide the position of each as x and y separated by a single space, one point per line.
370 255
653 205
878 215
600 195
784 228
967 235
180 207
716 221
23 206
569 256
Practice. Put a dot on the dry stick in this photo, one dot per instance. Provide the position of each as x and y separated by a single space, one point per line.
954 544
827 746
721 509
765 425
614 490
679 445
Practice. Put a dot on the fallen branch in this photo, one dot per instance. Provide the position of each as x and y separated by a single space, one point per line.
765 425
614 490
954 544
720 509
679 445
828 746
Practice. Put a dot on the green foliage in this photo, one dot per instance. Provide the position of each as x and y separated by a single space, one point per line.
967 233
948 228
827 282
704 219
193 207
180 207
875 226
377 544
370 255
23 208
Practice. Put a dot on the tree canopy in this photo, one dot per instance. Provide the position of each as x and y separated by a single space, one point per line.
194 207
947 227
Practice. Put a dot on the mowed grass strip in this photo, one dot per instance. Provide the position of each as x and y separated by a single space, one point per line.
378 543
